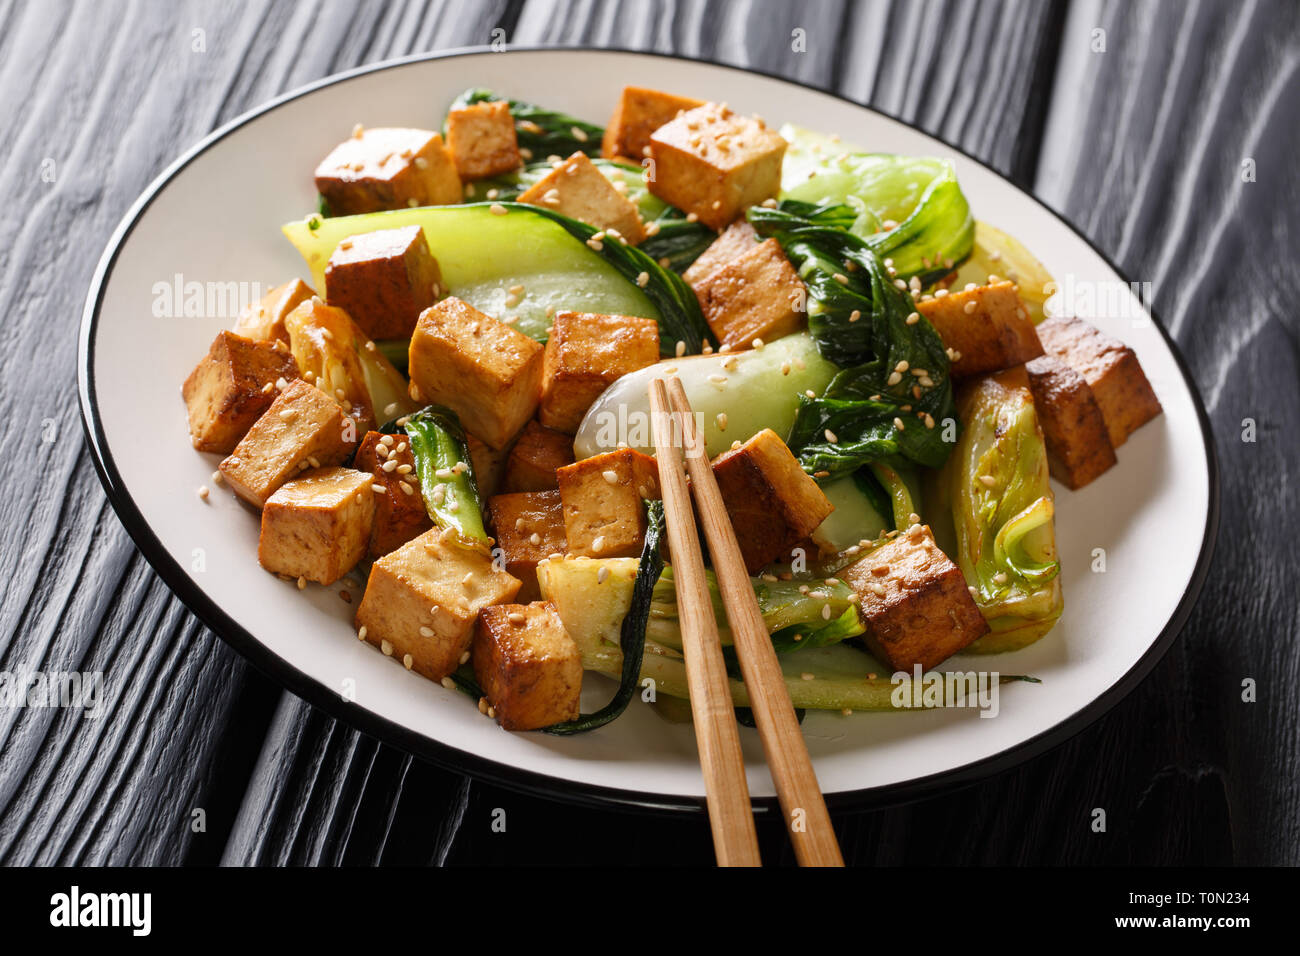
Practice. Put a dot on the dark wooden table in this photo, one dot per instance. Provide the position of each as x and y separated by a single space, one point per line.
1166 130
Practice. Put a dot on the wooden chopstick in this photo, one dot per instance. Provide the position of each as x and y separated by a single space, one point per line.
806 818
731 815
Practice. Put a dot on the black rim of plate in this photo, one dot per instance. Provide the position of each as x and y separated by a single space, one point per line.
528 781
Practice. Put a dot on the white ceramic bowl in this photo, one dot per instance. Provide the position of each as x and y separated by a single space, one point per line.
213 217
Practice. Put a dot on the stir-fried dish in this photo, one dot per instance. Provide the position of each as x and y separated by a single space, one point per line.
449 421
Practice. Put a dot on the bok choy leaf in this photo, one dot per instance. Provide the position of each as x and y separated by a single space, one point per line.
894 395
1002 507
446 473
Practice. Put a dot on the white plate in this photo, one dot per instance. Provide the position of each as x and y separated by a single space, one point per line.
213 217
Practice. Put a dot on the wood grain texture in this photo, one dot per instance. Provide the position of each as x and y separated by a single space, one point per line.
1141 145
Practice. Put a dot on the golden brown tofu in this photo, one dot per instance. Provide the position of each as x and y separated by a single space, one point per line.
771 501
528 527
913 602
988 327
757 296
585 353
482 140
535 457
715 163
580 190
384 280
400 513
422 600
482 369
639 113
489 466
264 320
732 243
317 526
231 387
1110 368
528 666
387 168
304 428
1078 444
603 514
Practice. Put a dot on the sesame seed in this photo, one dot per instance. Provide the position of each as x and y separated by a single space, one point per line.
914 318
692 217
785 368
901 367
894 378
898 423
757 344
1000 578
602 574
721 419
302 582
643 279
988 481
378 489
940 293
390 465
807 676
203 492
841 278
598 545
535 539
408 661
361 633
826 612
464 657
810 393
718 379
407 489
426 631
832 437
482 705
497 209
514 617
448 683
968 308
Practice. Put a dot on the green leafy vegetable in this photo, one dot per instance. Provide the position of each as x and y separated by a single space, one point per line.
897 370
819 613
997 483
632 631
442 462
908 209
680 318
543 132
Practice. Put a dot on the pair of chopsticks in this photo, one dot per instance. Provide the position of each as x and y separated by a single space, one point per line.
731 816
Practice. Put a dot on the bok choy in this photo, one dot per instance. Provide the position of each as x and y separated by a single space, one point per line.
1002 509
442 463
893 396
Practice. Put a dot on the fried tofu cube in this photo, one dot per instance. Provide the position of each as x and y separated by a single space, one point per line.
535 457
988 327
528 665
231 387
1078 443
913 602
773 504
715 163
639 113
577 188
585 353
482 140
757 296
387 168
528 526
1110 368
489 466
317 526
384 280
422 600
400 514
603 514
264 320
482 369
303 428
732 243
